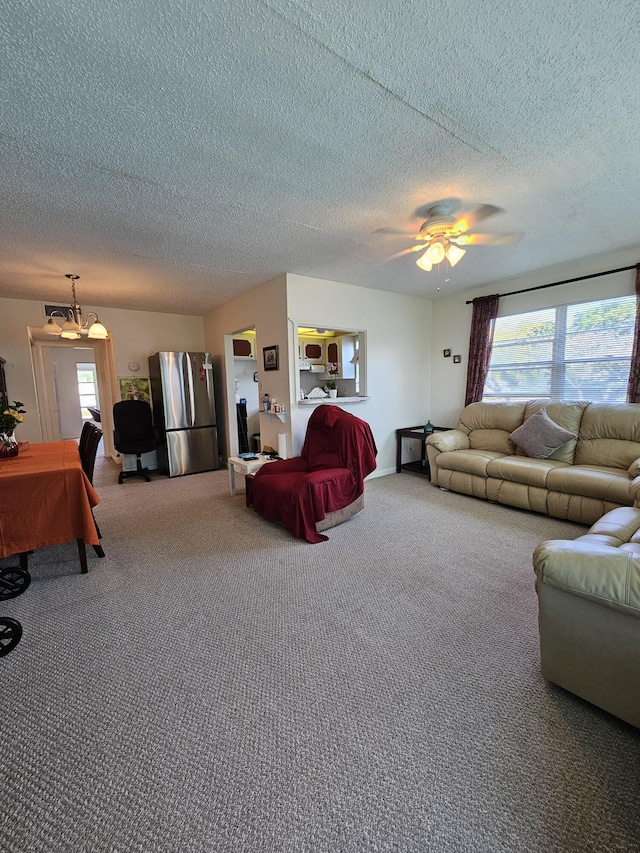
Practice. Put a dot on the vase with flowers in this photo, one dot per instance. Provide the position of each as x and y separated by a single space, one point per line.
332 369
9 420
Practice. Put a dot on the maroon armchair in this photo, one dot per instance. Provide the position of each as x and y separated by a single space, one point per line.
325 484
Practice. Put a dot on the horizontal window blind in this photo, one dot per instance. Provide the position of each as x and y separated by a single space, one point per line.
570 352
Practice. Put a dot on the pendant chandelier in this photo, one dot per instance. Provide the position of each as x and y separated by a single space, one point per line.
73 326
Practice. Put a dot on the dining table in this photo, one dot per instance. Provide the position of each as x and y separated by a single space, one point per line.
46 499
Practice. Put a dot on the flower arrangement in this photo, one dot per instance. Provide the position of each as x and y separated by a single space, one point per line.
11 417
332 369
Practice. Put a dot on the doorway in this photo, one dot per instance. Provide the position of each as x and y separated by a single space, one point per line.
75 384
241 368
48 357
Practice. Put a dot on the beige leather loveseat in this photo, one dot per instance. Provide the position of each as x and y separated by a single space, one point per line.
589 612
586 475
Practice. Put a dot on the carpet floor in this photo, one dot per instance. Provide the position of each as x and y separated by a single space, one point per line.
213 684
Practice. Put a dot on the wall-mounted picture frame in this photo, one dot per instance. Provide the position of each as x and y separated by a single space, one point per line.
446 353
456 359
134 388
270 357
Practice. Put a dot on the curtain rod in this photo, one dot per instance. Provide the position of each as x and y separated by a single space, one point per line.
556 283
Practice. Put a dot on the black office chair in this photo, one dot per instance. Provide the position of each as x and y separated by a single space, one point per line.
88 448
134 433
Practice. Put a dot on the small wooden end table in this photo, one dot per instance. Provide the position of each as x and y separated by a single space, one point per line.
420 466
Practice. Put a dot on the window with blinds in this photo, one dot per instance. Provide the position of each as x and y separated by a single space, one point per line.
570 352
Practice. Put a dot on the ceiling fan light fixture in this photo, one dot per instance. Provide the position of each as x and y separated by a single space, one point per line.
436 251
424 263
454 253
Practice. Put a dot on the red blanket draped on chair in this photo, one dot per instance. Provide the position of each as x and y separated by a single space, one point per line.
339 451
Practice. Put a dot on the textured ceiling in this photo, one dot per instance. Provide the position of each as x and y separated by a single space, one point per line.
177 153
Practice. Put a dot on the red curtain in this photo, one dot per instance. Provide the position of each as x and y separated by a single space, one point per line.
485 311
633 390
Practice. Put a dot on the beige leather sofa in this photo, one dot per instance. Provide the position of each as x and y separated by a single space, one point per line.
589 612
582 480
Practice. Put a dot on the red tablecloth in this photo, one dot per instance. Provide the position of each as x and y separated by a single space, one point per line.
45 499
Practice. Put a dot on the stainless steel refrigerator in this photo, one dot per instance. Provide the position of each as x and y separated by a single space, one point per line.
184 411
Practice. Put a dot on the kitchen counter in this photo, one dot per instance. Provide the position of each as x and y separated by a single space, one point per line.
336 401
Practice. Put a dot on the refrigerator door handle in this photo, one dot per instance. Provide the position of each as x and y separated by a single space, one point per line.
191 407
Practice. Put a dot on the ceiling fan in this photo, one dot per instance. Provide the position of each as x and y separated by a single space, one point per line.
444 234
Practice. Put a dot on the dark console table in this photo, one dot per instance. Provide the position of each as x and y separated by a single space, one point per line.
420 466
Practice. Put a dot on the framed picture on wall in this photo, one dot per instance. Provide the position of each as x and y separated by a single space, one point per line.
270 356
134 388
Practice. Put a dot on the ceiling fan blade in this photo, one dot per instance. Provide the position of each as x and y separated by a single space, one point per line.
406 232
488 239
408 251
470 219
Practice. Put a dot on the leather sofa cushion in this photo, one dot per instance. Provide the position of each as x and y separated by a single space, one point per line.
619 528
603 565
609 435
607 484
520 469
451 439
467 461
489 425
496 440
611 452
607 575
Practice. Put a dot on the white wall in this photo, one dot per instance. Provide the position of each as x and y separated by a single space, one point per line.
136 334
265 309
398 330
398 352
452 317
15 316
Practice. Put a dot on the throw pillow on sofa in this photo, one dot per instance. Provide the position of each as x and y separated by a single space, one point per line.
539 436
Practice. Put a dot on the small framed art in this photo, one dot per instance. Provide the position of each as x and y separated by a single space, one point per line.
270 356
446 353
134 388
456 359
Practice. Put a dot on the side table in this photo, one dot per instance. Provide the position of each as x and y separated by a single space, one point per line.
243 466
420 466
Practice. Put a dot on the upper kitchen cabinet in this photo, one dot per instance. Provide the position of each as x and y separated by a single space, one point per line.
312 351
341 351
244 345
